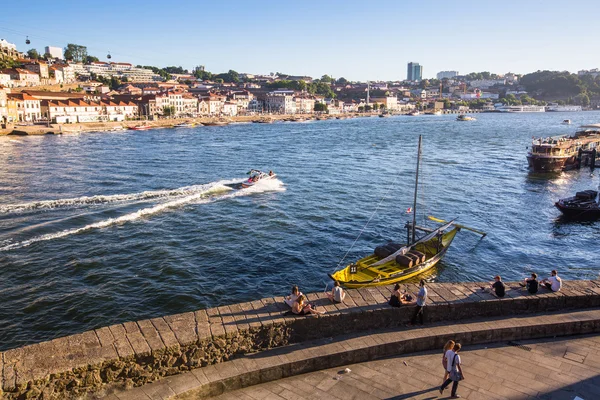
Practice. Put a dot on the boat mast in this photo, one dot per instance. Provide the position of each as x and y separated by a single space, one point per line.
414 223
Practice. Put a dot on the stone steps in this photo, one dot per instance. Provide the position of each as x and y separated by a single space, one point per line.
252 369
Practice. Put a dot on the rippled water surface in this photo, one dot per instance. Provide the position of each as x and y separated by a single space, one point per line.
101 228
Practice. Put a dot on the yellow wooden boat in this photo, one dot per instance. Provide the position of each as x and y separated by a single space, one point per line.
395 262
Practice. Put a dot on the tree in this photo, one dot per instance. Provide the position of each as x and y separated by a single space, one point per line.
382 106
168 111
368 108
320 107
33 54
175 70
326 79
582 99
75 52
375 106
361 109
342 81
91 59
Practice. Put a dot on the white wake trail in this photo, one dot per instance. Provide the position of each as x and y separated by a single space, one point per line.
202 197
104 199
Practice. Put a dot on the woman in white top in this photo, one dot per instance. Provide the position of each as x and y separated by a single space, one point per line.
291 299
447 352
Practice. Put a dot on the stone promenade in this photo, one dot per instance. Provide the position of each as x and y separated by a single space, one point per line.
136 353
547 369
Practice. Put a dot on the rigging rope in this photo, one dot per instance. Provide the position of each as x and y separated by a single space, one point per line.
367 224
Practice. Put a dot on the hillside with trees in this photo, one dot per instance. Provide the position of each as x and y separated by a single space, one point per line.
562 84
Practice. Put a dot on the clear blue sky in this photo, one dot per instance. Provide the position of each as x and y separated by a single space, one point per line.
358 40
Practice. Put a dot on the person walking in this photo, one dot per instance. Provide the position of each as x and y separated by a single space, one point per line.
421 301
455 372
447 351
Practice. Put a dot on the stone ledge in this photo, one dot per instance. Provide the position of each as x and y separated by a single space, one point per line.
309 357
137 353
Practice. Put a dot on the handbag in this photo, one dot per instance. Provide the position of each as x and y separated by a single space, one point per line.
455 374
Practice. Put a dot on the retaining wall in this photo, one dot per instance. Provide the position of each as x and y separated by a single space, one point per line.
135 353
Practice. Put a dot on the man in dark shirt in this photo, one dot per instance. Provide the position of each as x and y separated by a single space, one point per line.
497 286
532 284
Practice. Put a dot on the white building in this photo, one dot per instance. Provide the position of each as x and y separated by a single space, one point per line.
446 74
55 52
281 101
486 83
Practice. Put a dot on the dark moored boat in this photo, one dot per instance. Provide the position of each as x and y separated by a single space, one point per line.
584 205
554 154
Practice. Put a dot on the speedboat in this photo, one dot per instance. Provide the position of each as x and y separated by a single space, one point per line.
414 113
566 122
140 127
463 117
584 206
184 125
257 176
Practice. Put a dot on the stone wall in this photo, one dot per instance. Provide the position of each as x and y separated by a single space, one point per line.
135 353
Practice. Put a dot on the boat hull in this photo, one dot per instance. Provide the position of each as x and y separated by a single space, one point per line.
344 277
579 213
551 164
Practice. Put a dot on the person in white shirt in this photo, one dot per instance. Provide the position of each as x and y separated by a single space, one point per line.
291 299
337 294
553 283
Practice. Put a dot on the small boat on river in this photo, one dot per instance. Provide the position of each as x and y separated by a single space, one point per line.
395 262
566 122
414 113
561 153
185 125
584 205
463 117
140 127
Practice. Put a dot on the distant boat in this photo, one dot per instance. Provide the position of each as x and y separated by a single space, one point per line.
414 113
140 127
463 117
520 109
216 123
566 122
554 107
184 125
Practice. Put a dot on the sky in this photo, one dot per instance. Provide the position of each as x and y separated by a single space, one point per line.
357 40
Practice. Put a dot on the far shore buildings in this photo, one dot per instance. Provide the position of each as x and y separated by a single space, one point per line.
54 52
446 75
116 69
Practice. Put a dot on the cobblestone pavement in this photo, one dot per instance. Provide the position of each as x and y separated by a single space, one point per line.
563 368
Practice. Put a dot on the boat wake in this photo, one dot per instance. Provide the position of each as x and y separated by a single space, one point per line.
105 199
210 193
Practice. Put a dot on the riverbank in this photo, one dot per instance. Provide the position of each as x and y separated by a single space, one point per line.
136 353
56 129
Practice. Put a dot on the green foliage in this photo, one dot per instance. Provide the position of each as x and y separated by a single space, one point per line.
91 59
7 63
326 79
559 83
382 106
168 111
164 74
33 54
230 77
368 108
480 75
320 107
582 99
342 81
75 52
361 109
175 70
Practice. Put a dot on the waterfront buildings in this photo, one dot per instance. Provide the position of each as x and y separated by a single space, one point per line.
414 72
54 52
446 75
281 101
8 49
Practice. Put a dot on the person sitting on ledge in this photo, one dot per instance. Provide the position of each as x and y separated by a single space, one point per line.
398 298
337 294
497 286
532 284
553 283
301 307
291 299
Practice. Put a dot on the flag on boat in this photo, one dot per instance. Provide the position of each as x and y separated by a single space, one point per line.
409 211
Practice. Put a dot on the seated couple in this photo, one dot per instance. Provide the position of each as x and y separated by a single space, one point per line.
299 305
553 283
399 298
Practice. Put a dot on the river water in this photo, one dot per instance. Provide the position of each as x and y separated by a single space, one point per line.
101 228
